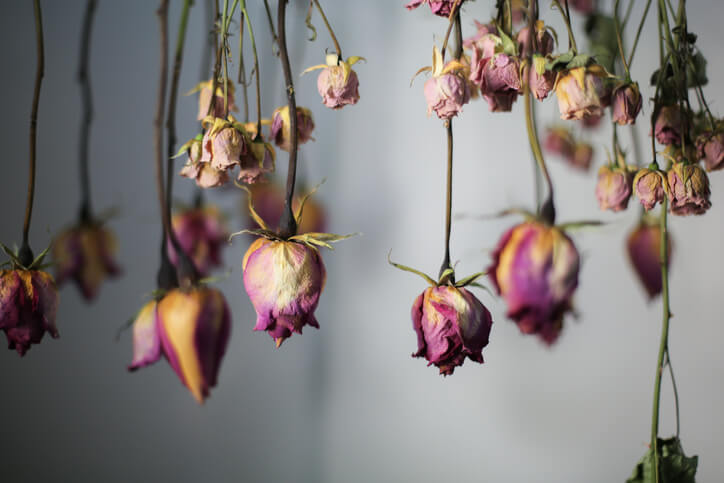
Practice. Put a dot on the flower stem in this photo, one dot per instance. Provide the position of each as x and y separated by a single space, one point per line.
245 15
329 28
86 93
454 12
638 32
275 39
664 344
26 254
287 224
242 69
224 15
566 14
619 40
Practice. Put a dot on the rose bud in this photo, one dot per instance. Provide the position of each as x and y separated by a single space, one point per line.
201 232
650 186
28 302
281 127
626 100
204 89
535 269
194 327
146 339
451 324
541 81
688 189
582 156
668 125
710 148
222 144
580 92
85 253
500 82
485 40
543 44
613 189
644 252
337 83
559 141
441 8
284 280
586 7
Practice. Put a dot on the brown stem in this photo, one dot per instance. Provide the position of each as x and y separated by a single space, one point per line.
287 224
454 13
26 254
329 28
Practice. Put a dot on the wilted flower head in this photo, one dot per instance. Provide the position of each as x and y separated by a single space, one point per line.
484 41
543 44
337 83
28 302
535 269
559 140
194 326
205 175
259 157
451 324
644 251
580 92
669 125
626 101
284 280
204 90
688 189
447 90
710 148
613 189
650 186
582 156
540 80
441 8
500 81
591 122
222 144
85 253
281 127
202 232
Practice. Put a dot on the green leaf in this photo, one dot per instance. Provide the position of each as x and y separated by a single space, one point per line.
573 225
560 62
696 71
404 268
39 259
509 46
580 60
674 465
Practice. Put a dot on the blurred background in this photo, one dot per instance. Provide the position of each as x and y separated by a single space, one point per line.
345 403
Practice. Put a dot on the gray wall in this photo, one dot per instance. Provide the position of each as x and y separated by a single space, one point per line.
346 403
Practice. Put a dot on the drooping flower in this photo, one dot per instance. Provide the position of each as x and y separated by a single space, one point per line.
205 175
281 127
650 186
626 101
284 280
580 92
337 83
146 339
202 232
441 8
85 253
204 90
222 144
582 156
451 324
258 159
535 269
543 44
194 327
710 148
500 81
688 189
613 189
447 90
540 80
485 40
644 251
559 141
669 125
28 303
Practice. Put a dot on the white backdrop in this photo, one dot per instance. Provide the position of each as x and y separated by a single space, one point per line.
346 403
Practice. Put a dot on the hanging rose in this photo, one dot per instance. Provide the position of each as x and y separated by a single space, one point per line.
337 83
688 189
447 90
643 246
204 90
202 233
281 127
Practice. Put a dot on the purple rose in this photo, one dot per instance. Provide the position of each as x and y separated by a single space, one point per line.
613 189
535 269
202 233
688 189
281 127
451 324
28 303
644 251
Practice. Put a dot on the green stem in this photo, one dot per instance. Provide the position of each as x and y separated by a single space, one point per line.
453 15
224 47
26 254
638 31
287 224
275 39
619 40
242 69
663 346
329 28
567 20
245 13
